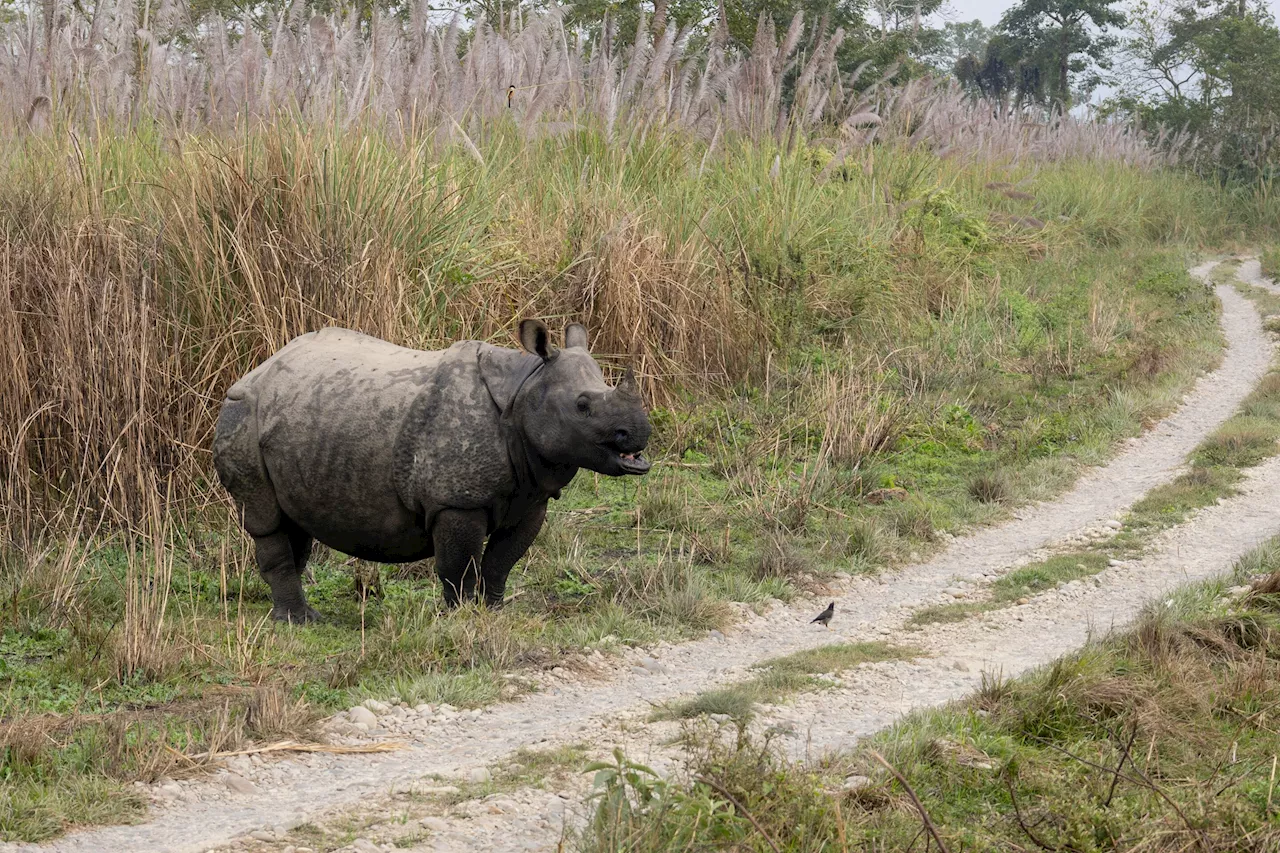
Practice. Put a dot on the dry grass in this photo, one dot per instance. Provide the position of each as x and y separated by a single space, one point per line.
861 416
423 81
990 487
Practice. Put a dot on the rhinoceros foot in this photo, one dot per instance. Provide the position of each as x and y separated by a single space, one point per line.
299 615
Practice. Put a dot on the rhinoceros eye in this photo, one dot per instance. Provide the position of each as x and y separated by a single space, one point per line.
584 405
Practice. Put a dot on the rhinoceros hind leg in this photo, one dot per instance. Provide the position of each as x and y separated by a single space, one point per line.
505 549
281 557
458 536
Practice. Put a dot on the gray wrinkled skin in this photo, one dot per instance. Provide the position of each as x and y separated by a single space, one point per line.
394 455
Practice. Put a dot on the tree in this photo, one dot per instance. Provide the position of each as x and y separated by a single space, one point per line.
1068 40
1212 69
955 41
1008 71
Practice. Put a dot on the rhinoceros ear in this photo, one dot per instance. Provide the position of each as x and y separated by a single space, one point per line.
535 337
575 335
628 386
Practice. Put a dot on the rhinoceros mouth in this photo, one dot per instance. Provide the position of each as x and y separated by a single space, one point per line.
633 463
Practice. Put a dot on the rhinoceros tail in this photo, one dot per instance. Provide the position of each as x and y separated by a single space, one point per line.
237 457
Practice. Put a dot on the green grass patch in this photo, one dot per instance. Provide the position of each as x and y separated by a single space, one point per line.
781 677
1241 442
525 768
1157 738
1169 504
943 614
1047 574
1270 259
1020 583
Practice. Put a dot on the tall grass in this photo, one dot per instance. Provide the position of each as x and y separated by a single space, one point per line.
181 196
422 81
142 277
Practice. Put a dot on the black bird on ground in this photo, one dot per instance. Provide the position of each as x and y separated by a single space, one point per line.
825 616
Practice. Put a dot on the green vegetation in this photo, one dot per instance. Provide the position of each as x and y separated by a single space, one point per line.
780 677
1047 574
1017 585
1248 438
1155 739
1271 262
398 822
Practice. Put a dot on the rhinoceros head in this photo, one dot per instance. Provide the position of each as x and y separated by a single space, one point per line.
571 416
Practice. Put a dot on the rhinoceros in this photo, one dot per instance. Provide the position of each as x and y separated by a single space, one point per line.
395 455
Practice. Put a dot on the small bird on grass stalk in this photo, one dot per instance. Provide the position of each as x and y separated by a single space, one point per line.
825 616
511 93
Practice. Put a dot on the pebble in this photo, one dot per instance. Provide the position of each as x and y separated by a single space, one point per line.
1114 525
479 775
554 810
262 835
639 670
440 790
364 845
240 785
376 707
435 824
363 716
503 806
424 710
852 783
1114 563
716 635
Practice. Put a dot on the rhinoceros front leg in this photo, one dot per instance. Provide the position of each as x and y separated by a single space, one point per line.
458 535
505 549
281 558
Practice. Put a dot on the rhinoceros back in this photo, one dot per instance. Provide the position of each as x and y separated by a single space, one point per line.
330 409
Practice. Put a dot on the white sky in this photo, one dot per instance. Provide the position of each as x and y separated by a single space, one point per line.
989 11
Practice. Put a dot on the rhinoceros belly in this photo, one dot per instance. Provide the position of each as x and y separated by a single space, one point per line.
329 412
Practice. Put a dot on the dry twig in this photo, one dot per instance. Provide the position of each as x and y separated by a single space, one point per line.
741 809
924 815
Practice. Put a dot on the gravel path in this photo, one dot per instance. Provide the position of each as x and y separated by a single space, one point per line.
255 804
1250 272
